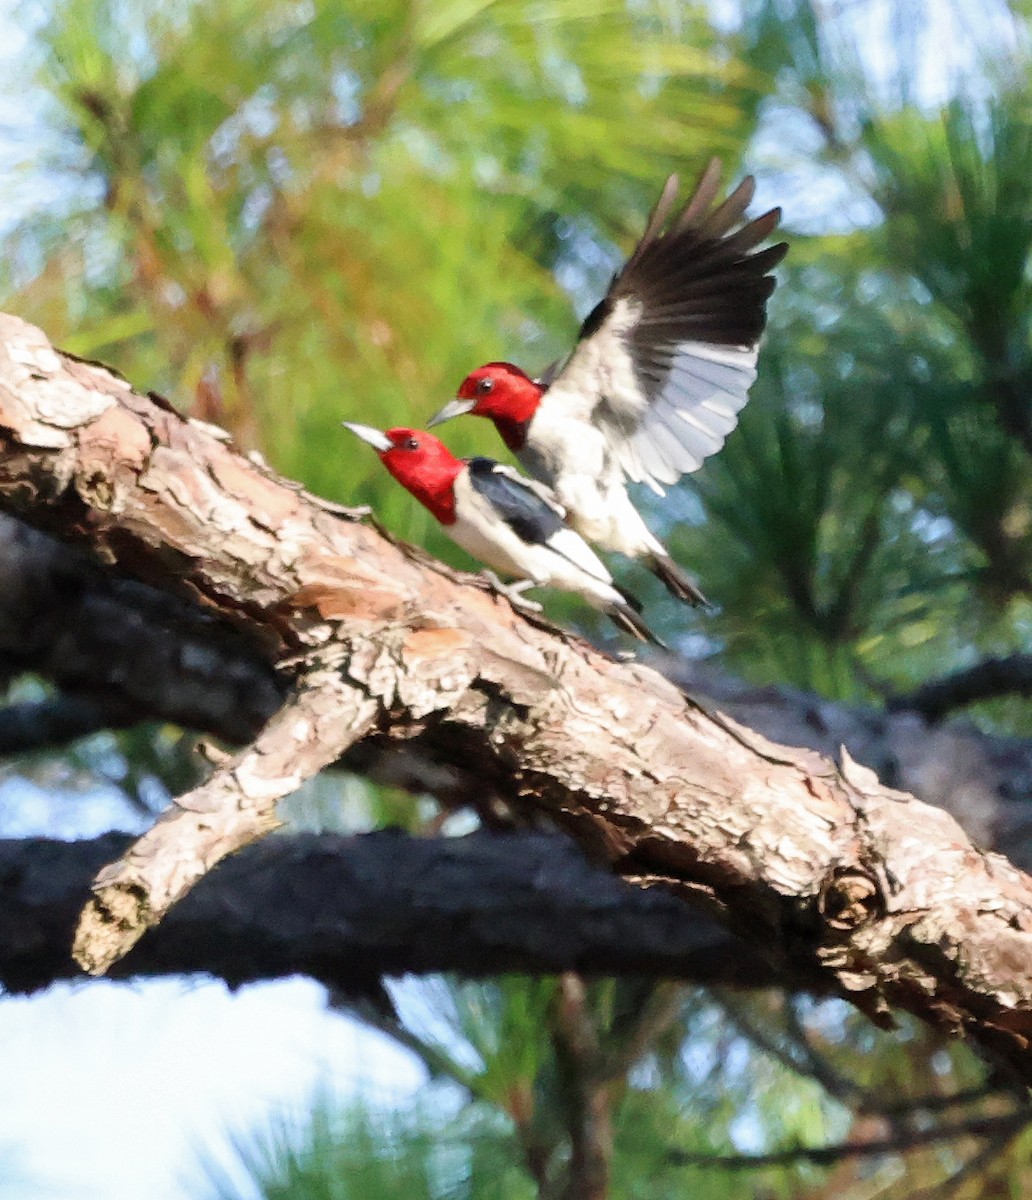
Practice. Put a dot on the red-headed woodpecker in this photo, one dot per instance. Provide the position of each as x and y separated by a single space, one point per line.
505 520
660 371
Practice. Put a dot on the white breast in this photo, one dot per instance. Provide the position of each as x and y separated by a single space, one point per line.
574 459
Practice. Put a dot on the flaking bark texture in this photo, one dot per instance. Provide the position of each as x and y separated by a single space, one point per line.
121 652
233 808
815 864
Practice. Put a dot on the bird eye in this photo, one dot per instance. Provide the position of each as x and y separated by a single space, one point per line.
411 443
485 385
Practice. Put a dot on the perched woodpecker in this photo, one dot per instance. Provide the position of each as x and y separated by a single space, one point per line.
660 371
505 520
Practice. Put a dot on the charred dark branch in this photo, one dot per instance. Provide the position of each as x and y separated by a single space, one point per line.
346 911
1010 676
43 724
115 645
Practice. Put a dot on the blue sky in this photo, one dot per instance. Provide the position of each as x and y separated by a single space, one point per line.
110 1091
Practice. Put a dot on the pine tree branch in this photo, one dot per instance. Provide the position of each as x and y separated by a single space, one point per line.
120 647
794 1058
818 864
347 910
233 808
905 1141
122 652
1010 676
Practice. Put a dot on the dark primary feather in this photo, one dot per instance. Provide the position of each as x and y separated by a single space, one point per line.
687 310
694 278
697 280
517 501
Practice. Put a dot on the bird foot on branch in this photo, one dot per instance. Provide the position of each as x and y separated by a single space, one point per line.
513 592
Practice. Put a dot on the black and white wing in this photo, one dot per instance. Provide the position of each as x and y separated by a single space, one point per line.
531 511
529 508
664 363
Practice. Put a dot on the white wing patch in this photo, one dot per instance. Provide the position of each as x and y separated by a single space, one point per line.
600 368
572 547
706 388
664 362
541 490
565 561
657 440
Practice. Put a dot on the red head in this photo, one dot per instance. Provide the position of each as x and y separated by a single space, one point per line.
502 392
420 462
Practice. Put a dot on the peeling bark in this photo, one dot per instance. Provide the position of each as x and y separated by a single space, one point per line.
983 780
122 652
817 865
233 808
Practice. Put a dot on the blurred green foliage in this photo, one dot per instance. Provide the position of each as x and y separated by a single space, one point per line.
341 215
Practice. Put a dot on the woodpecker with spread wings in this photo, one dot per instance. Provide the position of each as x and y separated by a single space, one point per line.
661 369
504 519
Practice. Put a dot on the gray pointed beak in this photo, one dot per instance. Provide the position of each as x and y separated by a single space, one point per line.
454 408
376 439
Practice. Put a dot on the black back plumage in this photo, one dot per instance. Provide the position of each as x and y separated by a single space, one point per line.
519 504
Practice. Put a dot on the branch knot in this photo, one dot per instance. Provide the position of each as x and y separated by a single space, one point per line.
848 899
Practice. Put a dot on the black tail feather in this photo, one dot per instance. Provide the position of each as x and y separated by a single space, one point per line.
626 617
677 581
629 598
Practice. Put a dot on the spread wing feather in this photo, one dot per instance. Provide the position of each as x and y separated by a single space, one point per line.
664 363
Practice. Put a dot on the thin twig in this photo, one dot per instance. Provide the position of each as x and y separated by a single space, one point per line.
814 1066
930 1104
663 1006
233 808
975 1165
589 1116
900 1143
